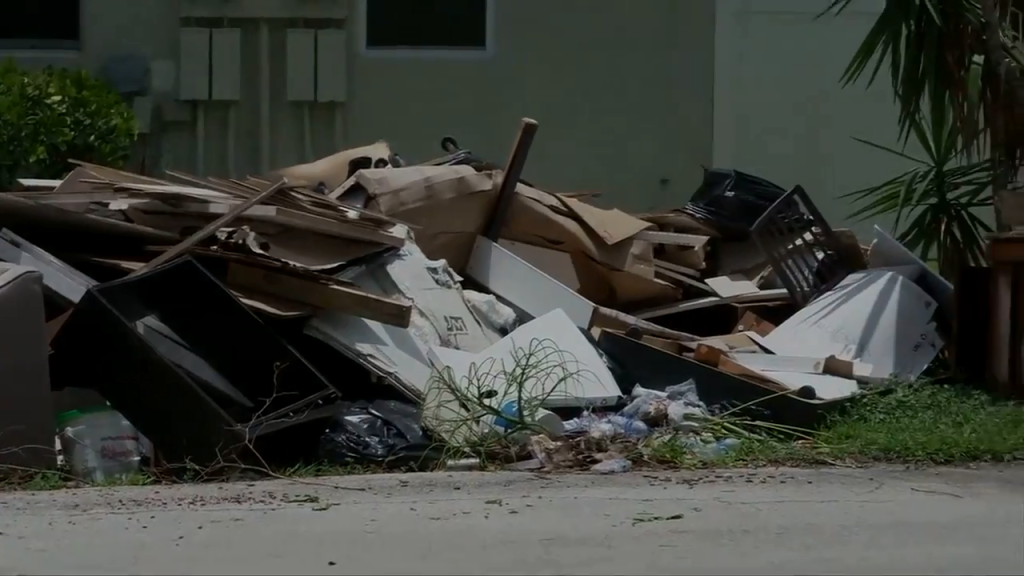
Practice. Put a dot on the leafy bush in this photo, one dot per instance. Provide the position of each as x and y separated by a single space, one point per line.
50 116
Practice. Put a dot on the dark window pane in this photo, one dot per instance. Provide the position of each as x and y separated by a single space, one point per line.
40 20
426 24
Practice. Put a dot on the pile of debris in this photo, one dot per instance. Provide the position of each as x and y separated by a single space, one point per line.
359 309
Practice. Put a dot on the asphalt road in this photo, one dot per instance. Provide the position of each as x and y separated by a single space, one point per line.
777 522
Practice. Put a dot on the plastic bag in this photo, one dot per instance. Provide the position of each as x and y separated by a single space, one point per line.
491 311
613 466
731 201
382 432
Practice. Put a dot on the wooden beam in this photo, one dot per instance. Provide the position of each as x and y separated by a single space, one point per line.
672 238
210 228
513 171
319 294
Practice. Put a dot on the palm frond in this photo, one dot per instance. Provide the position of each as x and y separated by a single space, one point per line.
932 203
935 53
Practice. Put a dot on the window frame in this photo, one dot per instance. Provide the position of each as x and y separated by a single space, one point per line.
40 44
427 53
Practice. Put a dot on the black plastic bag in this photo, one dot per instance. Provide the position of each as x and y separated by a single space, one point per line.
731 201
382 432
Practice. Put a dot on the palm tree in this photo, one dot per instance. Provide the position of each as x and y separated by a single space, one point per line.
958 54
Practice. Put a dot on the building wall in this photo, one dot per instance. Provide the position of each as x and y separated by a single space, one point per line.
632 97
622 90
780 110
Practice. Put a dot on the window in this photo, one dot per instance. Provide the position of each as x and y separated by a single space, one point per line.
49 24
427 25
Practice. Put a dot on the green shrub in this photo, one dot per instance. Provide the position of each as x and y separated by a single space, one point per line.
50 116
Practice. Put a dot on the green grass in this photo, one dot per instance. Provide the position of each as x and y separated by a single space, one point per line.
914 423
930 423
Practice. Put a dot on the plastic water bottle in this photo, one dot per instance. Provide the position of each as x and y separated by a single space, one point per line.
629 427
715 449
613 466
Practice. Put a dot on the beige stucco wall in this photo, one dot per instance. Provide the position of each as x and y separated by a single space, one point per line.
632 97
780 110
622 92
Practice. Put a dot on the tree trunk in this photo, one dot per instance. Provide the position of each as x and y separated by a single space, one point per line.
996 62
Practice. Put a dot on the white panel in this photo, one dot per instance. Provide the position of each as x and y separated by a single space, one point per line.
227 64
194 64
518 282
331 65
301 47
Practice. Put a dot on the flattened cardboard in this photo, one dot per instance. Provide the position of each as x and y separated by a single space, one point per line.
617 288
541 219
751 322
448 205
612 226
334 169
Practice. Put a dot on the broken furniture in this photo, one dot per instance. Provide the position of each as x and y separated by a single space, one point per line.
801 247
264 391
1006 309
657 369
26 413
730 201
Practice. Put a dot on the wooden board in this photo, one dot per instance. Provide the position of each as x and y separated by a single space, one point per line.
778 295
677 268
285 217
686 280
321 295
734 285
673 238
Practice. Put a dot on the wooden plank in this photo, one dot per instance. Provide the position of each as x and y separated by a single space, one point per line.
709 355
513 171
38 183
67 198
606 318
751 322
773 363
733 285
210 228
672 238
322 295
233 190
731 342
1007 249
726 364
671 346
778 294
685 280
186 191
1001 336
288 217
106 172
671 266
